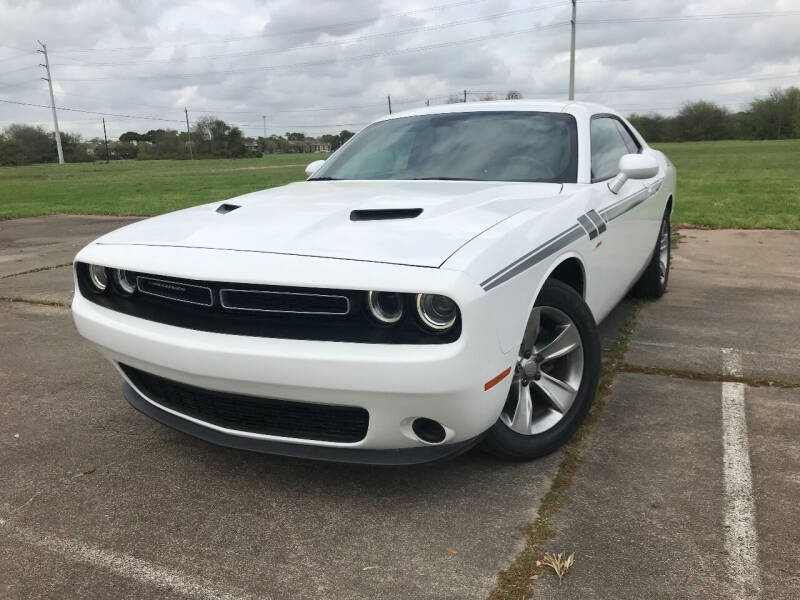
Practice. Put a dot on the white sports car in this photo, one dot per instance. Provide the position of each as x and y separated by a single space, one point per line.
436 283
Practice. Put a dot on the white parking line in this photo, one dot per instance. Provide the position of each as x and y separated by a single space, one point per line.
741 539
126 566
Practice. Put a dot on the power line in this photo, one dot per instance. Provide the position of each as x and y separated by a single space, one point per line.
693 84
744 15
12 57
282 33
91 112
150 118
18 69
328 61
424 28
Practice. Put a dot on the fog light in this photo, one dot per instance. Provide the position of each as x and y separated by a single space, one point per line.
126 284
99 277
385 307
437 312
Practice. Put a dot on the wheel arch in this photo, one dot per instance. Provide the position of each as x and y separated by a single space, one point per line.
568 269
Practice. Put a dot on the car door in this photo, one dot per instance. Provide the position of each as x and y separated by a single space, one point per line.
623 215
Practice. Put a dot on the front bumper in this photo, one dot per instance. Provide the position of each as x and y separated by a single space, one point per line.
395 383
397 456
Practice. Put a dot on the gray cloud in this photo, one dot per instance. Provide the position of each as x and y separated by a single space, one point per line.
282 59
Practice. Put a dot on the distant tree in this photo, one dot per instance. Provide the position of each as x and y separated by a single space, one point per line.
213 137
295 136
488 98
74 148
703 121
331 140
454 99
120 151
776 116
26 144
654 128
132 136
343 137
513 95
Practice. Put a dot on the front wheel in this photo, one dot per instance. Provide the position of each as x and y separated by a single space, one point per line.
555 377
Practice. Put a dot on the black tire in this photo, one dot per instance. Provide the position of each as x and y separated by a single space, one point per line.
501 440
651 284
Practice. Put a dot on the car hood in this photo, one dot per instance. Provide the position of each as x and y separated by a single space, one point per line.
314 219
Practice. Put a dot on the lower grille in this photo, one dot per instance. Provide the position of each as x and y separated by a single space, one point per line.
253 414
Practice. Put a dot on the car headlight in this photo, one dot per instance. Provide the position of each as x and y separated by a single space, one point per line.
125 282
385 307
437 312
98 276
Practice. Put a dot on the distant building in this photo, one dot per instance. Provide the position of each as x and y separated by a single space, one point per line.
309 145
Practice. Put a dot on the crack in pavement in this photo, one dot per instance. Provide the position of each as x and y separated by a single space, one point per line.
705 376
36 270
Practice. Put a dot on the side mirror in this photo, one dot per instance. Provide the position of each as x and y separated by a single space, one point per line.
633 166
314 167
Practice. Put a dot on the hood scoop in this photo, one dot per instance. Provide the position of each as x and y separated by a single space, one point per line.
385 214
224 209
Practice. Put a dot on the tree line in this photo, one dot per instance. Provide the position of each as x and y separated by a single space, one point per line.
776 116
210 137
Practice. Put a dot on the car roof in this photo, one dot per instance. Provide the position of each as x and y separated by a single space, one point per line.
511 105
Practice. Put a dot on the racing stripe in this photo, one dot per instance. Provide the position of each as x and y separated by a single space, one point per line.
535 256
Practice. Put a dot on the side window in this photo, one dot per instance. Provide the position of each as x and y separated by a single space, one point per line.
630 141
607 148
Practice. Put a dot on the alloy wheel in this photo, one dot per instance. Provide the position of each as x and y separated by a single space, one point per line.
547 375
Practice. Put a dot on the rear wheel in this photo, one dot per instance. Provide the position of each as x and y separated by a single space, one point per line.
554 379
653 282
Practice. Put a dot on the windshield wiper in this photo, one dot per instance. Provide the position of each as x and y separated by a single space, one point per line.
443 179
324 179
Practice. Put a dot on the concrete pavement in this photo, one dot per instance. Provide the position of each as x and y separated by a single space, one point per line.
682 495
99 501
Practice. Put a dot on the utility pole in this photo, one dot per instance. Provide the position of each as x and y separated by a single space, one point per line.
465 95
105 137
188 133
572 53
264 117
49 81
389 99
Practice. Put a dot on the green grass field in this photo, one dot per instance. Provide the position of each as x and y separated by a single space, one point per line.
132 187
741 184
748 184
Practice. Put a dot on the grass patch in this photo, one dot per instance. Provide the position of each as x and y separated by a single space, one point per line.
747 184
737 183
140 187
518 579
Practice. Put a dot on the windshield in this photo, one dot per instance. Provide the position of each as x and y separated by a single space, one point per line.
478 146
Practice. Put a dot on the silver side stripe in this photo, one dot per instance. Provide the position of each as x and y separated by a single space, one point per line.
592 223
551 246
619 208
588 225
597 220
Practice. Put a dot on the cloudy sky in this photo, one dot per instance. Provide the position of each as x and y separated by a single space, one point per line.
326 65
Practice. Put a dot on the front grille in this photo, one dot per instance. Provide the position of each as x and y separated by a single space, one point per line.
255 310
252 414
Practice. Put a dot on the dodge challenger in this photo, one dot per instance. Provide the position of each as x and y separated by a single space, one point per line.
435 284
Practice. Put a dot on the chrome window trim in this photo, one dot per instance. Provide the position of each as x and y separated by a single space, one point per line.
139 278
223 291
